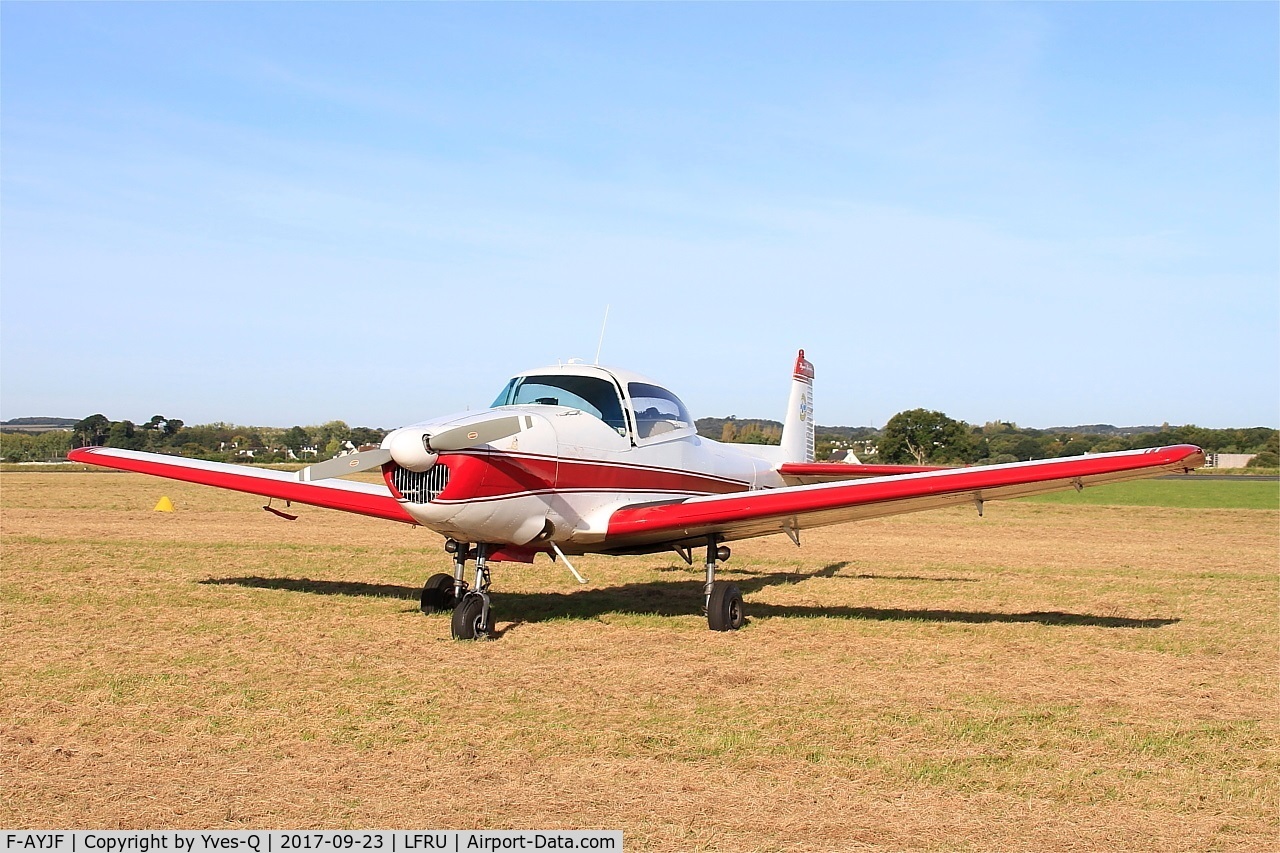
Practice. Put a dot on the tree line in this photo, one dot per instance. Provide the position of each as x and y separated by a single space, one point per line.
924 437
916 436
217 442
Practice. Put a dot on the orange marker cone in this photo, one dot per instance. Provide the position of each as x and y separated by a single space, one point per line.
165 505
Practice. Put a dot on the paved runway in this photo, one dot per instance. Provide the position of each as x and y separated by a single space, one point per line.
1244 478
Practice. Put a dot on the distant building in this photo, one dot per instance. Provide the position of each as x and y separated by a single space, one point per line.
1228 460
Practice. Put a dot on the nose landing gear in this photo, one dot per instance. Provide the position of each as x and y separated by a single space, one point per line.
471 616
470 619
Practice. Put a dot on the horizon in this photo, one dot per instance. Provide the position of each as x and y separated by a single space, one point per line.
1067 211
353 425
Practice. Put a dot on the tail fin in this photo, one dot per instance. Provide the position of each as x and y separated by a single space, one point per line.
797 429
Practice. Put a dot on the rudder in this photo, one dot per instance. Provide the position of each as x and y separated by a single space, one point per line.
797 428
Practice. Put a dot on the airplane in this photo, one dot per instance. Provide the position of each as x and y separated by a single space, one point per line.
576 459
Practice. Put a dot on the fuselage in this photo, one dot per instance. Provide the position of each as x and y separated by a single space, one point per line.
593 439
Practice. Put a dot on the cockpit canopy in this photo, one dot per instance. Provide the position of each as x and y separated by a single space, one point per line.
652 409
657 410
589 394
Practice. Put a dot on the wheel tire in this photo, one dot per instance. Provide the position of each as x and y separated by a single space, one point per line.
724 613
466 619
437 594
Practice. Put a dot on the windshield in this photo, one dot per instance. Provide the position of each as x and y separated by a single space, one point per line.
588 394
657 410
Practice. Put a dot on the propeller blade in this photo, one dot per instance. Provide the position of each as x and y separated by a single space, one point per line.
349 464
470 435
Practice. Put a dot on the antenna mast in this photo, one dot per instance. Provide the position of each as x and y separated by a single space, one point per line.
602 328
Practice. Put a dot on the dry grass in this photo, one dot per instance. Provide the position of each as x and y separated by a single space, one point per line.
1046 678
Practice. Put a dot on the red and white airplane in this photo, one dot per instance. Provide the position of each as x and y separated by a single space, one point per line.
582 459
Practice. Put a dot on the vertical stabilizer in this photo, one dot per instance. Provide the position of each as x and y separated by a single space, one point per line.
797 428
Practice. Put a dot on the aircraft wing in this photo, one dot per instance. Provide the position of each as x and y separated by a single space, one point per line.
807 473
362 498
760 513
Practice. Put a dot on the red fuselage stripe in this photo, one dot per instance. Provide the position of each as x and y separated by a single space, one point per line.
481 476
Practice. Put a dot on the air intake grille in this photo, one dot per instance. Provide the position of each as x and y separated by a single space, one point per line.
420 487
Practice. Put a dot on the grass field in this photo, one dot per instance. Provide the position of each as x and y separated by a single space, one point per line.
1049 677
1190 492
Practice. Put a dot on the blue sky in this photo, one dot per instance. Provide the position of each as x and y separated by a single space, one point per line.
290 213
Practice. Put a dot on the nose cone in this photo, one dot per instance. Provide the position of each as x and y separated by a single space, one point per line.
408 449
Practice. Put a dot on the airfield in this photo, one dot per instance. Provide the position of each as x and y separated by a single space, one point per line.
1060 674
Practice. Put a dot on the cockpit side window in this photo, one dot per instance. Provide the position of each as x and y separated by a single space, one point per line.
588 394
657 410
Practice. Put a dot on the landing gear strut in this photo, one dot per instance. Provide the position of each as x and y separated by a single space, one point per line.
471 618
722 600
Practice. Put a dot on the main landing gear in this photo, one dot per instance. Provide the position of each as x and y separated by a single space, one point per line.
723 601
441 592
473 619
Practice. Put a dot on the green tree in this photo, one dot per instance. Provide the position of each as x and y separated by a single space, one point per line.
367 435
54 444
124 435
1028 447
294 438
923 436
1265 459
16 447
331 431
92 431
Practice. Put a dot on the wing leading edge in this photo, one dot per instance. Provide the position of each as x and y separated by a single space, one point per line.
794 508
362 498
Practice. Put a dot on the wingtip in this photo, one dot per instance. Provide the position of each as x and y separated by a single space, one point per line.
1193 456
1187 457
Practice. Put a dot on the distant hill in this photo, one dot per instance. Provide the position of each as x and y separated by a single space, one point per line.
714 427
37 424
1103 429
56 422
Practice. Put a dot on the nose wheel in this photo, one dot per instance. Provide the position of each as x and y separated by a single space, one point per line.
471 616
441 593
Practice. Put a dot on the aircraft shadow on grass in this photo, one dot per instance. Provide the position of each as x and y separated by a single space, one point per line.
684 598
